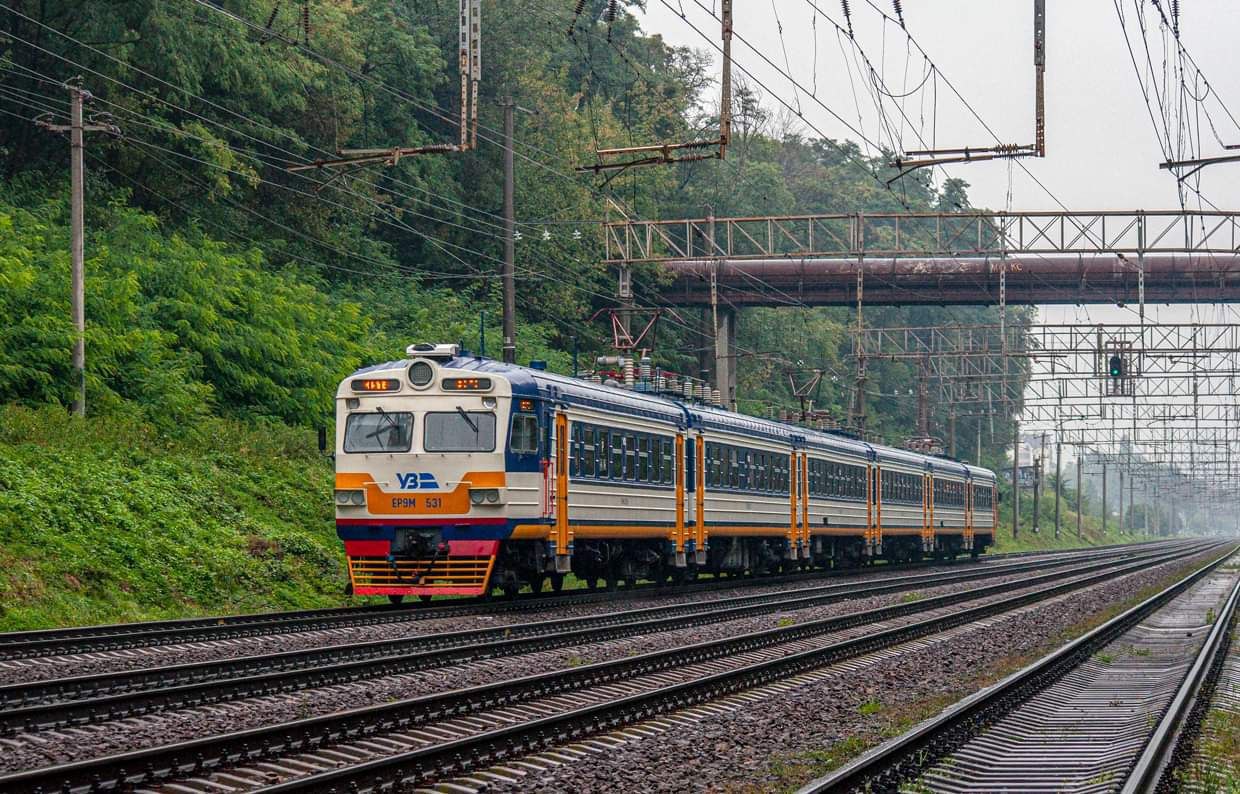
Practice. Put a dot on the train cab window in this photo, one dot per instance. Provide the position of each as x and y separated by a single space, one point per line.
380 431
459 431
523 439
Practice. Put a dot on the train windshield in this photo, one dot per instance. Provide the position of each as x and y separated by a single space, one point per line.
459 431
380 431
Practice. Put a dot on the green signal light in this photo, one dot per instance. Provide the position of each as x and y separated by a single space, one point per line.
1117 367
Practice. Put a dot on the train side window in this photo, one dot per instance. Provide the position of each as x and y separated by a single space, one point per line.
669 460
630 457
574 448
587 453
656 459
617 456
643 459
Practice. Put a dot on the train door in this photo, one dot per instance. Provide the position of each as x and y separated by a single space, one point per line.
927 497
805 542
563 531
794 480
875 545
699 494
678 539
967 534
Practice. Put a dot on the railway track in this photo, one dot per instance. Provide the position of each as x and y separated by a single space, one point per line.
1083 718
81 700
1193 749
432 737
127 636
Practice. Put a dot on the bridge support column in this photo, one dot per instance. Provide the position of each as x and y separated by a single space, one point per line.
725 355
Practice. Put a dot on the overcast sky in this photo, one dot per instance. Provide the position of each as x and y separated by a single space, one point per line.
1102 149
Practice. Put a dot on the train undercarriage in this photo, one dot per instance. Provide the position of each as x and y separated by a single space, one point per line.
610 563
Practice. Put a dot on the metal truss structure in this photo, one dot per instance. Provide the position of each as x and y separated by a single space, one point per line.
923 234
1173 429
938 258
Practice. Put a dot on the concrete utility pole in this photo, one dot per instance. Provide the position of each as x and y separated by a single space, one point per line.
510 233
510 243
77 235
1080 499
1121 500
1037 486
1015 479
1058 489
1104 498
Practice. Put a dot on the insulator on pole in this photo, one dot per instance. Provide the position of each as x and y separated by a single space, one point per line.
899 7
847 17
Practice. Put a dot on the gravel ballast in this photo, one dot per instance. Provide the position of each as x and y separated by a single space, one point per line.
784 739
28 751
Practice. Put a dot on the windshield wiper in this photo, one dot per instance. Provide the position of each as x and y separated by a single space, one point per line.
389 420
472 425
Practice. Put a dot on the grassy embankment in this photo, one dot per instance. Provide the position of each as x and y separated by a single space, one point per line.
107 520
112 520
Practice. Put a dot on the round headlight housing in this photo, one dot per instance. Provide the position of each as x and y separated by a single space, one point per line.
477 496
492 495
342 497
421 374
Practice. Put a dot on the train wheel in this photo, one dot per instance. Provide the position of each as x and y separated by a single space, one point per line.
511 590
612 582
396 599
425 599
536 583
557 582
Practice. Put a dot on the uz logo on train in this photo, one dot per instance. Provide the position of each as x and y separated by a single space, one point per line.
414 481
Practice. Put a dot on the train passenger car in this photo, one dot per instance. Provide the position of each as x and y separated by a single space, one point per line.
458 474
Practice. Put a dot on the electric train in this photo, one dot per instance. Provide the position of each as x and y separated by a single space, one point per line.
459 475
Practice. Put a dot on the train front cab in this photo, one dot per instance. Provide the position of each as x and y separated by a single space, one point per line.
423 488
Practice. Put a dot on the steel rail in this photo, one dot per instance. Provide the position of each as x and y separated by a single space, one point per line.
114 695
903 758
1160 752
202 756
123 636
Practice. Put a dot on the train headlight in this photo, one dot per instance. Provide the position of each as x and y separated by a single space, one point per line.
421 374
492 495
350 497
477 496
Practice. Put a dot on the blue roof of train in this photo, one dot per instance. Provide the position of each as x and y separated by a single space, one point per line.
527 382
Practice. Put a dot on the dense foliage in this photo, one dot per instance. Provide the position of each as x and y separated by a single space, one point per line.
246 289
227 295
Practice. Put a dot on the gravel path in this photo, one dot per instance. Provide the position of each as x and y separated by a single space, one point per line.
27 751
784 739
43 668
